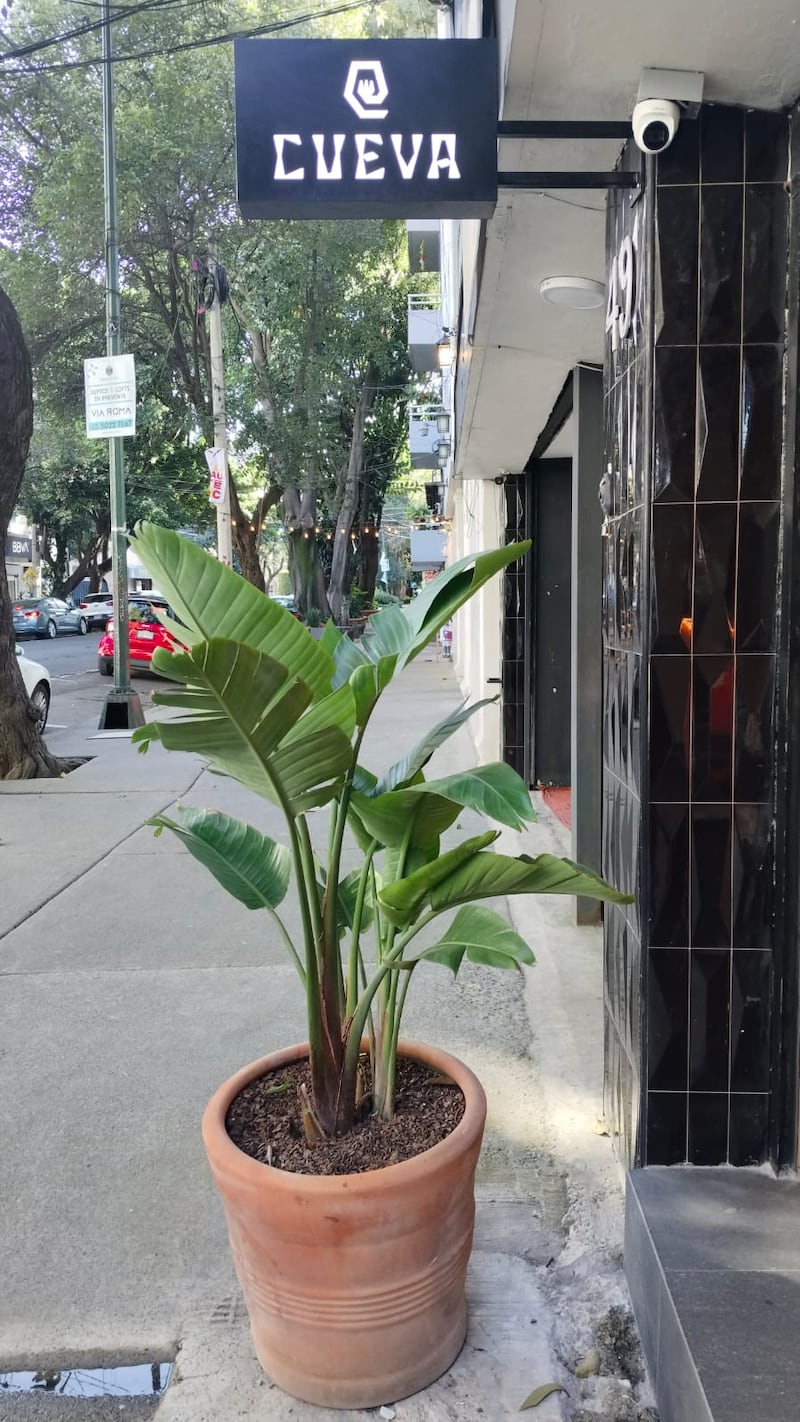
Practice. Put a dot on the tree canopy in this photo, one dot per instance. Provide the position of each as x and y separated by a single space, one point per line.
316 362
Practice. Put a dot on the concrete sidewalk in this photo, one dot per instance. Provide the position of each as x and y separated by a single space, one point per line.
132 985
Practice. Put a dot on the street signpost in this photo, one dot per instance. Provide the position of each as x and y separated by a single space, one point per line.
110 387
122 710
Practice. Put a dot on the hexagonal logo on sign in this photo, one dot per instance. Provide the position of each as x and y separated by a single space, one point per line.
366 89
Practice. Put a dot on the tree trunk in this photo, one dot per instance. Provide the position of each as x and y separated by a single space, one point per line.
307 573
23 753
337 592
370 554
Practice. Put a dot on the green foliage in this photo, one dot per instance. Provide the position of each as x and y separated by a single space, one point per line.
313 303
283 714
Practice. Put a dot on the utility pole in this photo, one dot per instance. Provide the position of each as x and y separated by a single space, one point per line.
218 297
122 710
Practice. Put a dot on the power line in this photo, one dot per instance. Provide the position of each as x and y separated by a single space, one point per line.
274 28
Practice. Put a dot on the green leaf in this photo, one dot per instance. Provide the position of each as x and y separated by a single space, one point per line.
495 790
450 589
215 602
389 634
489 875
251 866
368 681
484 936
258 706
416 760
401 815
348 893
402 899
540 1393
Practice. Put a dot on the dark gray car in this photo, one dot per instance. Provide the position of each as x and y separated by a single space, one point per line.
46 617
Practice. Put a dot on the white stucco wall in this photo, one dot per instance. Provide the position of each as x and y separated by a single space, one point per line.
477 651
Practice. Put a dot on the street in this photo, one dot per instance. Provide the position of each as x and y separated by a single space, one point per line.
78 689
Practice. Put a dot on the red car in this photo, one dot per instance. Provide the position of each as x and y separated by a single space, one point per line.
145 633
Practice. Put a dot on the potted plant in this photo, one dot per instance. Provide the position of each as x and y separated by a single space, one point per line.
353 1276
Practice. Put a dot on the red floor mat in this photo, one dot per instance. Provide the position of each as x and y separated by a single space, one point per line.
558 798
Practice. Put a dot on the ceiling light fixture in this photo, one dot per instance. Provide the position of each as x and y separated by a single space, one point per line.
575 292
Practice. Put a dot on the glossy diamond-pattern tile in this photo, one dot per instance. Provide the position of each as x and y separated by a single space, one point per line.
669 875
670 711
676 266
672 542
666 1127
668 1019
753 876
714 578
709 1019
674 417
758 577
721 218
754 753
721 144
711 876
718 422
762 421
712 728
750 1021
765 249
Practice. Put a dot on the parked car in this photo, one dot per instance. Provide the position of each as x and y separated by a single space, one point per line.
145 633
98 608
46 617
37 685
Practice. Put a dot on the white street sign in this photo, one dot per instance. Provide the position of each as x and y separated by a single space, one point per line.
110 384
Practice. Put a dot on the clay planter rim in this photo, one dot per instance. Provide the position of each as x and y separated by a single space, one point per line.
257 1172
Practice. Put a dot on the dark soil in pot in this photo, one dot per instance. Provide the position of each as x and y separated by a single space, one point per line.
264 1121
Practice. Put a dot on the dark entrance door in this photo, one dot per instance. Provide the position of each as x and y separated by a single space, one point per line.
550 565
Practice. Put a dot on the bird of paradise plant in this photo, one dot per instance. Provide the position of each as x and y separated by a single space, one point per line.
260 700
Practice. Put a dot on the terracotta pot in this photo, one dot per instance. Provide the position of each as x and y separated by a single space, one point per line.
354 1283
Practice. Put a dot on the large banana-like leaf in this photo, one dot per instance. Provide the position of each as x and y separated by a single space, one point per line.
489 875
446 593
389 634
402 817
484 936
251 866
416 760
258 706
493 790
402 899
214 601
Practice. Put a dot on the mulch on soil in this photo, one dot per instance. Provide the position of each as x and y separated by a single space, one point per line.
267 1126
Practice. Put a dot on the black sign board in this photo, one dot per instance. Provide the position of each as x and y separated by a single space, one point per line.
341 128
20 549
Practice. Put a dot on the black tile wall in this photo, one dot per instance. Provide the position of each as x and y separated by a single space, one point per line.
692 577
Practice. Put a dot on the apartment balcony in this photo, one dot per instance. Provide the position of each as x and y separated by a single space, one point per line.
427 549
424 244
425 330
424 436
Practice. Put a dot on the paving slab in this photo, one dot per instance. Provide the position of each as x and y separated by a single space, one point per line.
158 986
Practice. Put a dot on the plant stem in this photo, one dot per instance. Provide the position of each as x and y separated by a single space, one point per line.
358 912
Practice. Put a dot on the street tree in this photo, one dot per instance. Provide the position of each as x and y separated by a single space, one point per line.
23 753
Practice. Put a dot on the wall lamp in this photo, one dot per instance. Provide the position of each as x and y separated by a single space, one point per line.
444 350
442 422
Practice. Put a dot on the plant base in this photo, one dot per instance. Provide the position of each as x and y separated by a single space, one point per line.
354 1284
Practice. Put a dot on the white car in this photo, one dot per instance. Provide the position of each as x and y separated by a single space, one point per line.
37 684
97 608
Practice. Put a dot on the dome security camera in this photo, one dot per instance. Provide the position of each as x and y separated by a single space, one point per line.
655 123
